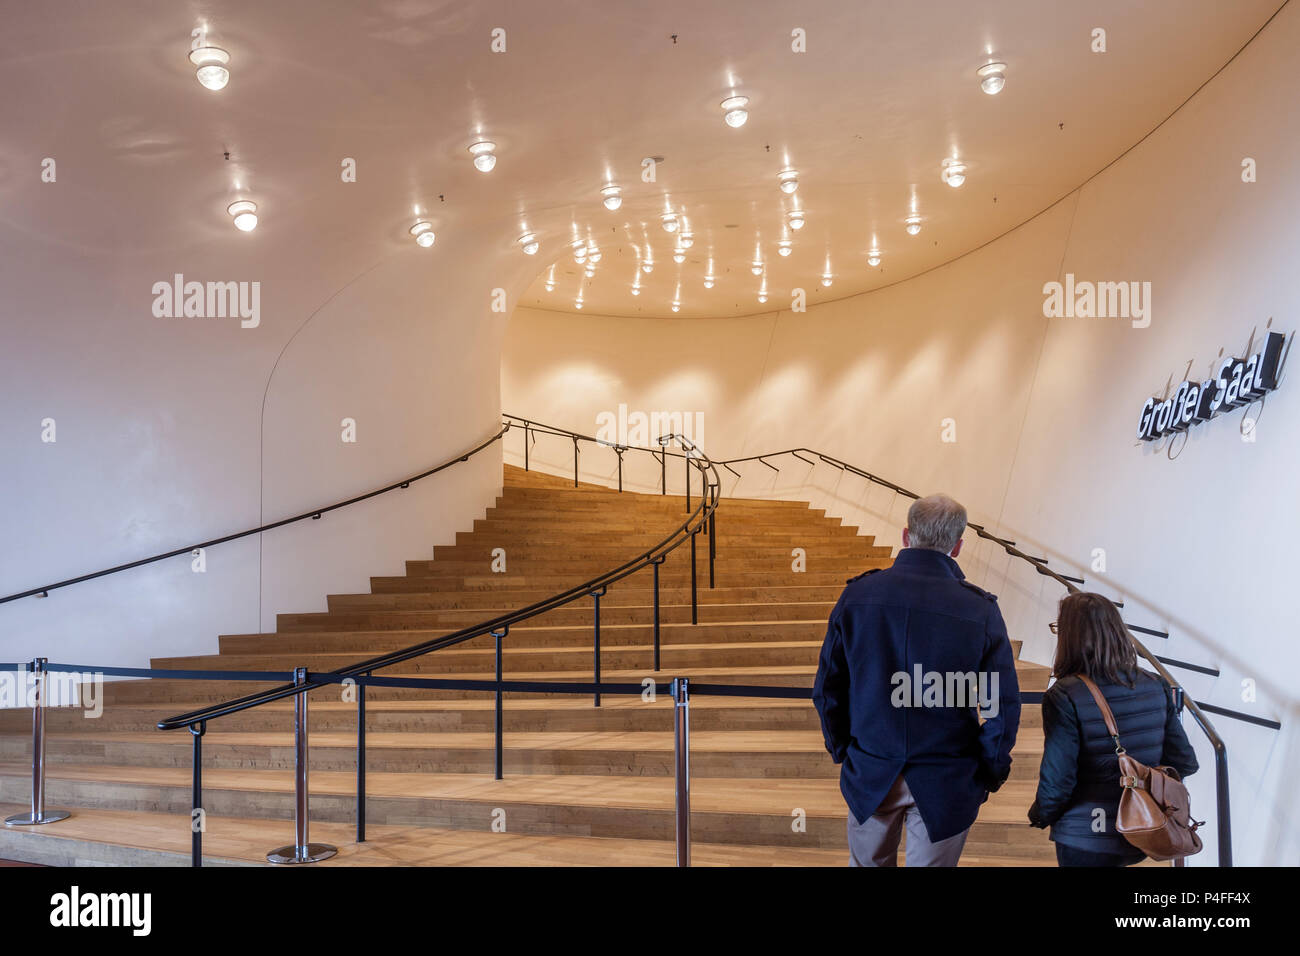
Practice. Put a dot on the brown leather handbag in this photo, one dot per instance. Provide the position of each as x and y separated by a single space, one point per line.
1154 812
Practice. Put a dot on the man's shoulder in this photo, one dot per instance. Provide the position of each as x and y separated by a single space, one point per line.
986 595
859 577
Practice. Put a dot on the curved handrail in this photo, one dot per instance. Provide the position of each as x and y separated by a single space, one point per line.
1040 565
695 523
314 513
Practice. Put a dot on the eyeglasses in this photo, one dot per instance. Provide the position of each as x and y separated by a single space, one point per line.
1052 627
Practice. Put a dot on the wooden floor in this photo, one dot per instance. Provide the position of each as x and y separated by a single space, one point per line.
583 786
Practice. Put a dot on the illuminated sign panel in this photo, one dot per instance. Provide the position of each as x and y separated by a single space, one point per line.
1236 382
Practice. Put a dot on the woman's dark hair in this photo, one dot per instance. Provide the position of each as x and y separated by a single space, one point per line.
1091 639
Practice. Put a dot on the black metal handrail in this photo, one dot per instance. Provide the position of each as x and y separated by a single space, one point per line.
44 590
1182 699
699 520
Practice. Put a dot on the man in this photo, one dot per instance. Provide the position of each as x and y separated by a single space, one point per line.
914 656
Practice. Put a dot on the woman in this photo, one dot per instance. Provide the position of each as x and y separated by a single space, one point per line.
1078 781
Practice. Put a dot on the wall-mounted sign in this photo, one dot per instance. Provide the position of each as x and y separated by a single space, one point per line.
1236 382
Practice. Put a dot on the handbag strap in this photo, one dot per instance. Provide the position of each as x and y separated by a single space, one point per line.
1104 707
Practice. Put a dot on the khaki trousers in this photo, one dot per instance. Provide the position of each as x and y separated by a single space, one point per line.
874 842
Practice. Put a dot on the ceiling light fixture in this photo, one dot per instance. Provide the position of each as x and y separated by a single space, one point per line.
578 303
593 254
708 282
954 172
244 212
788 179
873 257
484 155
670 221
762 297
679 255
993 76
613 196
211 62
756 267
913 224
784 247
530 244
648 266
734 113
686 240
422 231
796 219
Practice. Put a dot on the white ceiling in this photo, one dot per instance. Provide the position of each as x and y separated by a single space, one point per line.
584 92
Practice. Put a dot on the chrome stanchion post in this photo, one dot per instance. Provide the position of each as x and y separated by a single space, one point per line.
302 850
38 814
682 767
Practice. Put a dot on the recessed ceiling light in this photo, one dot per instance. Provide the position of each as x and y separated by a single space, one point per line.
993 76
530 244
686 240
762 297
954 172
796 218
211 62
550 286
679 256
636 290
708 282
677 307
784 247
734 112
484 155
647 267
423 233
826 278
244 212
591 271
593 254
873 257
788 180
577 304
913 224
670 221
613 196
756 267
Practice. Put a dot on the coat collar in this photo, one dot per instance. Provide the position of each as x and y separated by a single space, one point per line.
925 561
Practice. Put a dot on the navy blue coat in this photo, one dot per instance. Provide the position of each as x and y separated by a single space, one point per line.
1079 774
920 615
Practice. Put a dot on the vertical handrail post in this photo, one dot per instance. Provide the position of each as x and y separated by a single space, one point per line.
619 449
38 815
596 596
302 850
575 461
198 816
682 768
655 564
713 543
686 459
499 721
361 761
695 599
1224 822
663 472
525 446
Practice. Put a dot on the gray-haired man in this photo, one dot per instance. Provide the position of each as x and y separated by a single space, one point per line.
899 643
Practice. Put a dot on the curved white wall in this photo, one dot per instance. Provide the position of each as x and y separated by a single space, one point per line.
171 431
1196 540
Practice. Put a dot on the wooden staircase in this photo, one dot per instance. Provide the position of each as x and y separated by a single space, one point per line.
583 785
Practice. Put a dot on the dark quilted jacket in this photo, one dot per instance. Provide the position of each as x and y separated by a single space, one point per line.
1080 772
